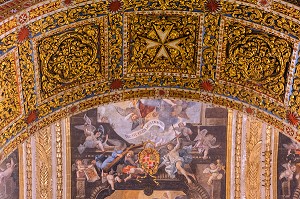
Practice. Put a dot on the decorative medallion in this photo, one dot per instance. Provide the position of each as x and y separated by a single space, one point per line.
32 116
68 2
149 159
207 85
116 84
162 42
23 34
213 6
255 60
71 58
264 3
292 118
115 6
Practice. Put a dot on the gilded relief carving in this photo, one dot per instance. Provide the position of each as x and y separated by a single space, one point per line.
59 159
158 39
71 58
256 60
295 97
253 152
10 98
43 163
238 151
162 42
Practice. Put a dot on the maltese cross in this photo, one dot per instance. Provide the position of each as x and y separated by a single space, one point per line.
163 34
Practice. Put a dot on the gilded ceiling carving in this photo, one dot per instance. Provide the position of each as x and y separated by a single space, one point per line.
166 42
75 57
256 60
10 99
68 65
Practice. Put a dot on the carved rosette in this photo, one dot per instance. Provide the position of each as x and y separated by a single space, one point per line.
255 59
70 58
162 42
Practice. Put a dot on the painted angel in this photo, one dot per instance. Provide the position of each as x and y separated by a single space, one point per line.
135 113
87 127
204 142
179 108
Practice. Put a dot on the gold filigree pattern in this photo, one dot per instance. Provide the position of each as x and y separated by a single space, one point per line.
262 17
287 9
268 160
253 151
28 169
52 17
238 150
164 5
43 163
229 147
295 94
67 17
210 46
115 46
8 42
59 164
10 99
162 42
71 58
22 170
256 60
27 74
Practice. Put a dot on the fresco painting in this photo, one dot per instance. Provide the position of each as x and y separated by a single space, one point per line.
150 146
9 177
288 168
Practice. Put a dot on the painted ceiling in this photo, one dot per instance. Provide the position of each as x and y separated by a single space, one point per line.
59 58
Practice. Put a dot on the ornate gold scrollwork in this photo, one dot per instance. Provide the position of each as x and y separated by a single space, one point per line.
256 60
10 100
69 59
162 42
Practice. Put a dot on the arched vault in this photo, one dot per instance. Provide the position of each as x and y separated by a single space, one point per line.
60 57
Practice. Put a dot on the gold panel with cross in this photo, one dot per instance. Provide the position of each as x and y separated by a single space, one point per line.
167 42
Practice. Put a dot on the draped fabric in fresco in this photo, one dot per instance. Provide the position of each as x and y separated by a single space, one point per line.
149 145
288 168
9 177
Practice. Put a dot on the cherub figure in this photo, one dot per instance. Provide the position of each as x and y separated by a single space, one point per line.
184 133
110 178
134 172
205 142
290 169
214 171
93 141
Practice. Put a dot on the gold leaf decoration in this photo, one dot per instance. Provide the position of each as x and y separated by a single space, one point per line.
71 58
162 42
253 173
10 100
256 60
43 156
